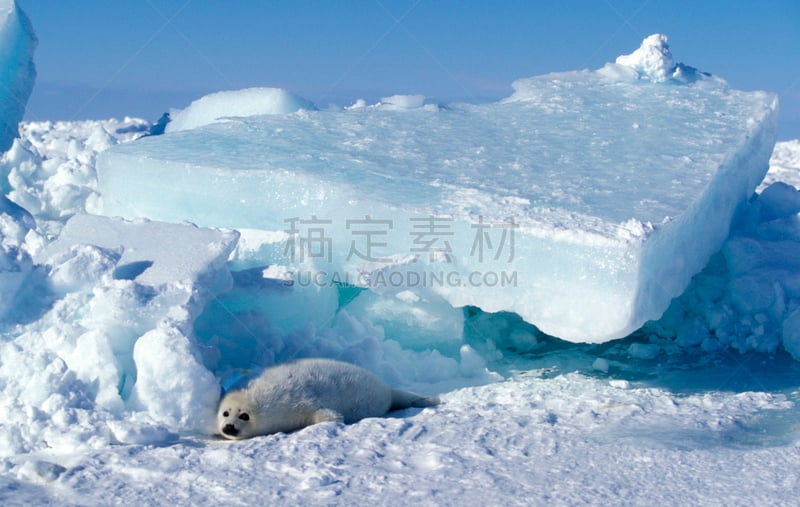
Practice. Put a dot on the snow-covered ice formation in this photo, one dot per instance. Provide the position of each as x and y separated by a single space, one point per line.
17 72
584 202
748 296
50 170
114 337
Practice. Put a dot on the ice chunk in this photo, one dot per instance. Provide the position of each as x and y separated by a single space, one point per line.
248 102
584 202
17 72
152 253
652 60
415 320
16 266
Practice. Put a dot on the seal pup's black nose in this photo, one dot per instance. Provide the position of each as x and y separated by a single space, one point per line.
230 429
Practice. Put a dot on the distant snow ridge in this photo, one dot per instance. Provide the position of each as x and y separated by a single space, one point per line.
17 72
238 103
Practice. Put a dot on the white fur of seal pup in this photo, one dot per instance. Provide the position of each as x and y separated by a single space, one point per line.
290 396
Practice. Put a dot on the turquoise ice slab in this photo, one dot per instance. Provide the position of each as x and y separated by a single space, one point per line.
612 191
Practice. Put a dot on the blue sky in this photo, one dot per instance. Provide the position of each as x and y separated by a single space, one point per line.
101 58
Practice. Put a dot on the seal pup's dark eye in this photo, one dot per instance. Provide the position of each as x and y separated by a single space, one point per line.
225 414
244 417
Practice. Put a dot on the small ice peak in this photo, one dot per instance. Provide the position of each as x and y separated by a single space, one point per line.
633 229
357 105
652 61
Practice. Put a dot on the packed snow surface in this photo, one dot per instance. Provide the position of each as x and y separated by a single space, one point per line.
118 336
584 202
17 72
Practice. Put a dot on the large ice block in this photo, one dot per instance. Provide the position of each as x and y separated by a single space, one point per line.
584 202
17 72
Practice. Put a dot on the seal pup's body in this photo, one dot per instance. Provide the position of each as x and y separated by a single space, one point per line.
291 396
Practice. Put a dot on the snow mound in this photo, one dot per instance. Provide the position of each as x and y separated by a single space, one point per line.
584 203
652 61
17 72
238 103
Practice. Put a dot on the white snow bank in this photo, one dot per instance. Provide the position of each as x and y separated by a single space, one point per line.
50 170
583 203
17 72
237 103
114 356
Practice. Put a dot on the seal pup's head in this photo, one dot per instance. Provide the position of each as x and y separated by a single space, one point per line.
236 417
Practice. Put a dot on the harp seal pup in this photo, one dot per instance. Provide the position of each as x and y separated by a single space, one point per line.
291 396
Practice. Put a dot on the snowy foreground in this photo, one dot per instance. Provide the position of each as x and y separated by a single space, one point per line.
674 414
535 439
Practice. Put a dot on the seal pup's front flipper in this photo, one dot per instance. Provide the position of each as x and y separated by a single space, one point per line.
326 415
405 399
